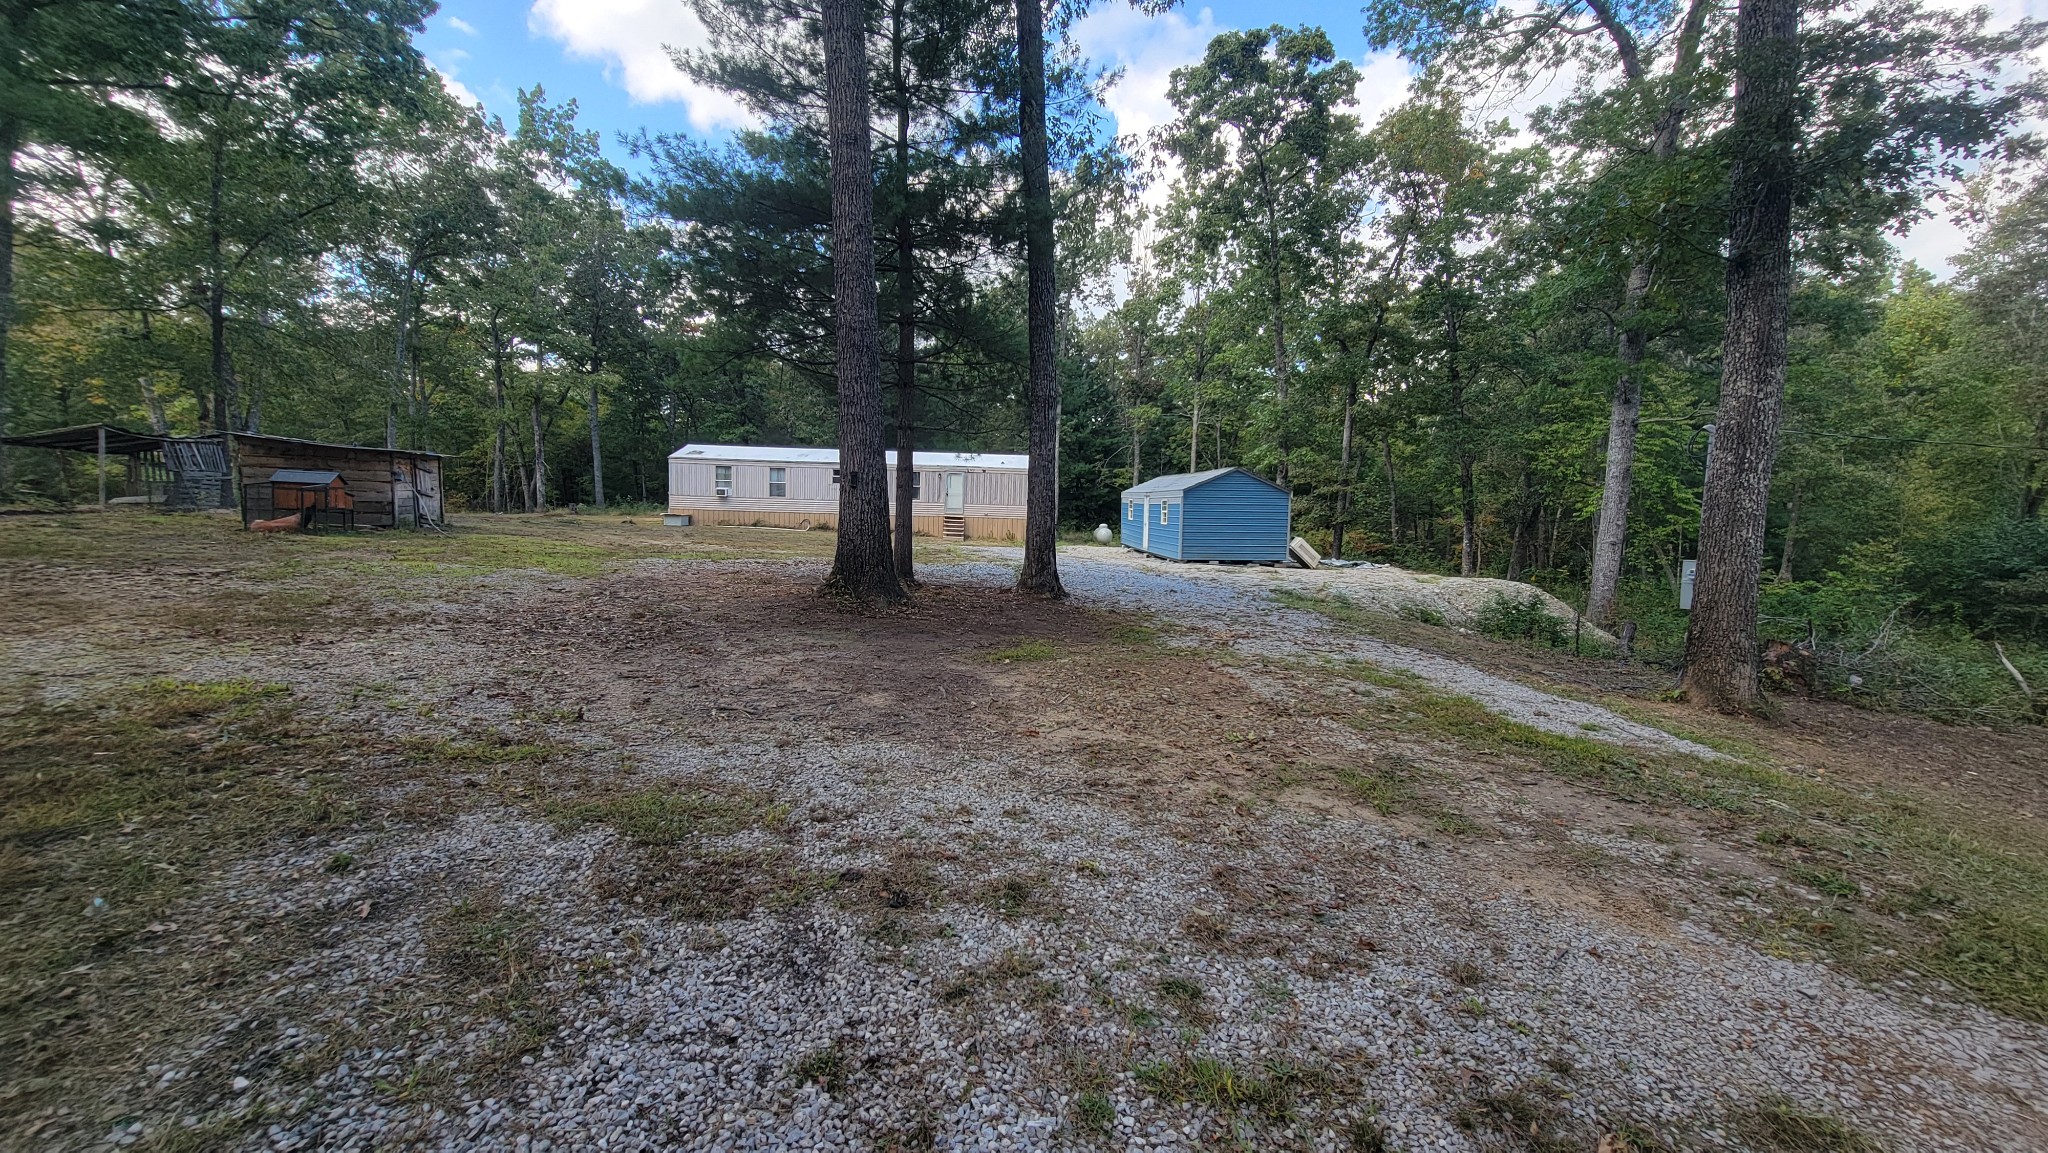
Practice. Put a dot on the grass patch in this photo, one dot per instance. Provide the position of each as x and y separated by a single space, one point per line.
660 816
1016 895
115 810
1777 1125
1336 606
1024 650
1529 1117
1386 789
1901 888
1270 1094
673 852
827 1067
1093 1113
489 952
1006 971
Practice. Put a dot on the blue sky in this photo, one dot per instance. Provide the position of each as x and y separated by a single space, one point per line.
609 55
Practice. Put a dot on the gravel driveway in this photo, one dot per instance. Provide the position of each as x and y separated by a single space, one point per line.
952 942
1237 603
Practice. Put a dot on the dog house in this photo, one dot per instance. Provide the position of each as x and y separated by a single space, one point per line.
322 491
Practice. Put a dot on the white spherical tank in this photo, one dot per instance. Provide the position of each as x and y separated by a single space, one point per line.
1102 534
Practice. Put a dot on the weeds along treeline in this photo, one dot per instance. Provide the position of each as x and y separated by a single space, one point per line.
1483 332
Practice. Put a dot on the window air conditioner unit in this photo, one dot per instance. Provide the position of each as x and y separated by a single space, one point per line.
722 491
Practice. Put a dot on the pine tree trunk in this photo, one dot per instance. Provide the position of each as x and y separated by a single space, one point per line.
1282 474
1393 495
596 445
1041 572
399 342
1721 639
540 450
906 317
1468 518
1521 531
223 368
863 565
10 141
1195 434
1468 504
498 431
1338 528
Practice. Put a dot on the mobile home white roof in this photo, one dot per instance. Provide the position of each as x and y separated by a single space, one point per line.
754 454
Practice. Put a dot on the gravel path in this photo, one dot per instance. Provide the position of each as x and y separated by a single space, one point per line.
1415 991
1237 603
1010 956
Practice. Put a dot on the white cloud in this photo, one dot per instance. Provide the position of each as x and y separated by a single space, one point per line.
456 88
632 38
1148 49
1382 86
1934 242
462 26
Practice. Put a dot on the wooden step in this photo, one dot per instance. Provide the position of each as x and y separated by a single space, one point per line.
956 528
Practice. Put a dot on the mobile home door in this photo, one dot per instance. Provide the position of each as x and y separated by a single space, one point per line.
956 492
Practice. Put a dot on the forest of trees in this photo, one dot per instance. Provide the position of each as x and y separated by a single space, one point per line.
1475 336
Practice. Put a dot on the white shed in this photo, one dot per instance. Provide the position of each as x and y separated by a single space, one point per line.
960 495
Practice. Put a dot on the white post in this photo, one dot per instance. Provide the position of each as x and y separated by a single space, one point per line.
103 468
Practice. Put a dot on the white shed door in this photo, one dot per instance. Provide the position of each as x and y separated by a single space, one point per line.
1145 537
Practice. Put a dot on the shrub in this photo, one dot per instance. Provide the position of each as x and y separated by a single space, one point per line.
1992 578
1526 619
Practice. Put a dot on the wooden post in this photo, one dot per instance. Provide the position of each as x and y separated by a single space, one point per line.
103 468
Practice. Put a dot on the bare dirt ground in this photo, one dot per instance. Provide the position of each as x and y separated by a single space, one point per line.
571 833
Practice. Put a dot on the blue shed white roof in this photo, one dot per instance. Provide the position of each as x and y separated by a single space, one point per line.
1177 483
769 454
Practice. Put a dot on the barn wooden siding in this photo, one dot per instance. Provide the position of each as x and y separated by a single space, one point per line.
390 487
993 506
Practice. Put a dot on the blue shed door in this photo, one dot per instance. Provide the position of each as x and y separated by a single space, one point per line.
1145 534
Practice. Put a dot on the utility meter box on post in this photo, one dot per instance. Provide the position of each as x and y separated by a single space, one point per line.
1687 569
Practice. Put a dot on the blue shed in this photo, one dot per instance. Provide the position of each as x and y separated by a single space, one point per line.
1225 514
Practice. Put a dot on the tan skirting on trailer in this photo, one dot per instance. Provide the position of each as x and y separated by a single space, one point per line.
978 527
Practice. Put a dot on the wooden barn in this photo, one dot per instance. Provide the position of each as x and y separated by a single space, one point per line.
959 495
378 487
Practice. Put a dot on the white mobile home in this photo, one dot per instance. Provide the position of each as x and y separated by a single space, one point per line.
961 495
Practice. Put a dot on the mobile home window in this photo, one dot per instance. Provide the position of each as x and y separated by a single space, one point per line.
778 482
722 476
1162 512
917 486
835 478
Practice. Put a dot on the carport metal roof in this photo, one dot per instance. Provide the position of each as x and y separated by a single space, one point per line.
86 438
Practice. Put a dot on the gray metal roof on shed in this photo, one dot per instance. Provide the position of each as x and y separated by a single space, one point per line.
307 476
86 438
1177 483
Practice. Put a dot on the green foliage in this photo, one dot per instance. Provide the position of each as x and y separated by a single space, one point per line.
1990 578
1520 619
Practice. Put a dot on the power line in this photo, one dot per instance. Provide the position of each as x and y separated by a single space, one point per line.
1919 440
